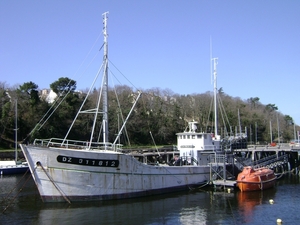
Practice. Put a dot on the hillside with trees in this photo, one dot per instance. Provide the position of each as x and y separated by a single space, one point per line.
159 112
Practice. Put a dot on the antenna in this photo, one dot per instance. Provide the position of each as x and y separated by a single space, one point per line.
215 94
211 69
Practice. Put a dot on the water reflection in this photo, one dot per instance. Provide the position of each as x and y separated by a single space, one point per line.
248 201
187 208
196 207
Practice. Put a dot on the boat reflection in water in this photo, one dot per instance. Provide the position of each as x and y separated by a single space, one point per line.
248 201
163 209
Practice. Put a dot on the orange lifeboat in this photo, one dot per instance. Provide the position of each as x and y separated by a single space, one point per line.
251 179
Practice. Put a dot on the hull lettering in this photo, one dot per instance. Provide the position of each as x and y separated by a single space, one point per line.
88 162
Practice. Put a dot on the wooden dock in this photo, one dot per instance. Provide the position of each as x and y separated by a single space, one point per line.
224 183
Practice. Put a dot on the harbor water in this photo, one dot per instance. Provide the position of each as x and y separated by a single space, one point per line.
21 204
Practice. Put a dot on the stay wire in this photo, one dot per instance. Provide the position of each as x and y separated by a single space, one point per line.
40 124
123 75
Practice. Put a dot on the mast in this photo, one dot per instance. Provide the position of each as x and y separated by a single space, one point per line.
105 85
215 95
271 132
16 125
16 130
239 118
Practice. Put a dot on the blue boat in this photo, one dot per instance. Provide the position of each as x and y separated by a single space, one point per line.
10 167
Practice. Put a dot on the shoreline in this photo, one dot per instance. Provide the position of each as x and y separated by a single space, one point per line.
10 155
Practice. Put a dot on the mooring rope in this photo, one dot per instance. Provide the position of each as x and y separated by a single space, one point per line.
13 199
52 181
207 183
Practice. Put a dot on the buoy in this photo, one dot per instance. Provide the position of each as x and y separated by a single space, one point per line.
271 201
279 221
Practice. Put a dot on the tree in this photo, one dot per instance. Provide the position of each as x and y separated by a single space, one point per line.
253 102
30 91
63 85
288 120
271 107
160 111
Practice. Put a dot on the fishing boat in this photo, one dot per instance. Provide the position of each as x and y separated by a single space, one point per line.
74 170
251 179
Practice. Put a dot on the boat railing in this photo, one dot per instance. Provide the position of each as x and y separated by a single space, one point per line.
217 158
13 166
76 144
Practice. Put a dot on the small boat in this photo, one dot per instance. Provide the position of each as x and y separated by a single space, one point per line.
67 170
251 179
10 167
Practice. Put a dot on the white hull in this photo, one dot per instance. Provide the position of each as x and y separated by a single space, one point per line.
77 175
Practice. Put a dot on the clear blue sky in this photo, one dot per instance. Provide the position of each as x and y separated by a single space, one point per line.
159 43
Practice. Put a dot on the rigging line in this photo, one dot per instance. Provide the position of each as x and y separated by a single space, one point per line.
59 103
122 117
104 65
123 75
121 113
55 185
154 143
92 60
89 52
144 107
132 108
115 76
99 135
211 66
86 97
52 106
210 109
99 97
148 114
224 111
39 123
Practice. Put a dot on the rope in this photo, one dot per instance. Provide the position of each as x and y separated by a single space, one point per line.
207 183
52 181
13 199
57 103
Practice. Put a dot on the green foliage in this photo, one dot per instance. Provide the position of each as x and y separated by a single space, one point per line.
63 85
159 112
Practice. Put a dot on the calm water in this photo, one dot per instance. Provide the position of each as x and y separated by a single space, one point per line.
194 207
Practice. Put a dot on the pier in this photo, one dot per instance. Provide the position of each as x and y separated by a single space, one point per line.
224 168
